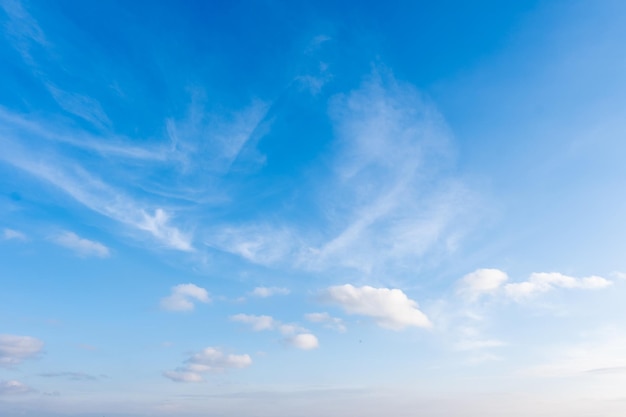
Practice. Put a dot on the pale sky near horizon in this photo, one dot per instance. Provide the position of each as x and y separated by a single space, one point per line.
312 208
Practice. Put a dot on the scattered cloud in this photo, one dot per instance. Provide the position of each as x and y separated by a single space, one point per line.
208 360
15 349
480 282
258 323
13 387
328 321
72 376
541 282
10 234
183 297
390 308
264 292
304 341
82 246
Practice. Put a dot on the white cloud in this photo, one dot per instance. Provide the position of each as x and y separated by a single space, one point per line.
480 282
15 349
208 360
13 387
477 344
618 275
183 296
258 323
82 246
390 308
329 321
10 234
304 341
265 292
540 282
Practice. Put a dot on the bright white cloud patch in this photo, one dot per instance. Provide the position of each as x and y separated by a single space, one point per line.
208 360
480 282
390 308
82 246
541 282
329 321
13 387
183 297
265 292
304 341
15 349
10 234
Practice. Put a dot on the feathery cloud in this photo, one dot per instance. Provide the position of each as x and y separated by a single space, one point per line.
80 245
10 234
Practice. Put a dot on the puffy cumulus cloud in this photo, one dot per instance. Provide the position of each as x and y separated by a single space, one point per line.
183 296
82 246
480 282
13 387
207 360
541 282
264 292
304 341
390 308
10 234
15 349
258 323
328 321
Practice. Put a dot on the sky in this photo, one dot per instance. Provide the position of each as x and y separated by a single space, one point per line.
313 208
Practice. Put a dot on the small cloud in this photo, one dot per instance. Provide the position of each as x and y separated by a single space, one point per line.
264 292
13 387
15 349
82 246
541 282
481 282
183 296
158 225
304 341
72 376
208 360
10 234
618 275
258 323
329 321
390 308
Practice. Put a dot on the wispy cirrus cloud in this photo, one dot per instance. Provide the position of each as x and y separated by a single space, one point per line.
208 360
183 297
10 234
80 245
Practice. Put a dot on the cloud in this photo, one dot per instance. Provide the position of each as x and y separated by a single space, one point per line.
476 344
258 323
10 234
329 321
15 349
390 308
183 296
208 360
541 282
264 292
81 106
72 376
297 336
480 282
13 387
82 246
304 341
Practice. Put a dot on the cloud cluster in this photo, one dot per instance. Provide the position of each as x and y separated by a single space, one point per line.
15 349
208 360
493 281
390 308
183 296
82 246
295 335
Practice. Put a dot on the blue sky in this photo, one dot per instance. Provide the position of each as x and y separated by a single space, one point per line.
307 208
